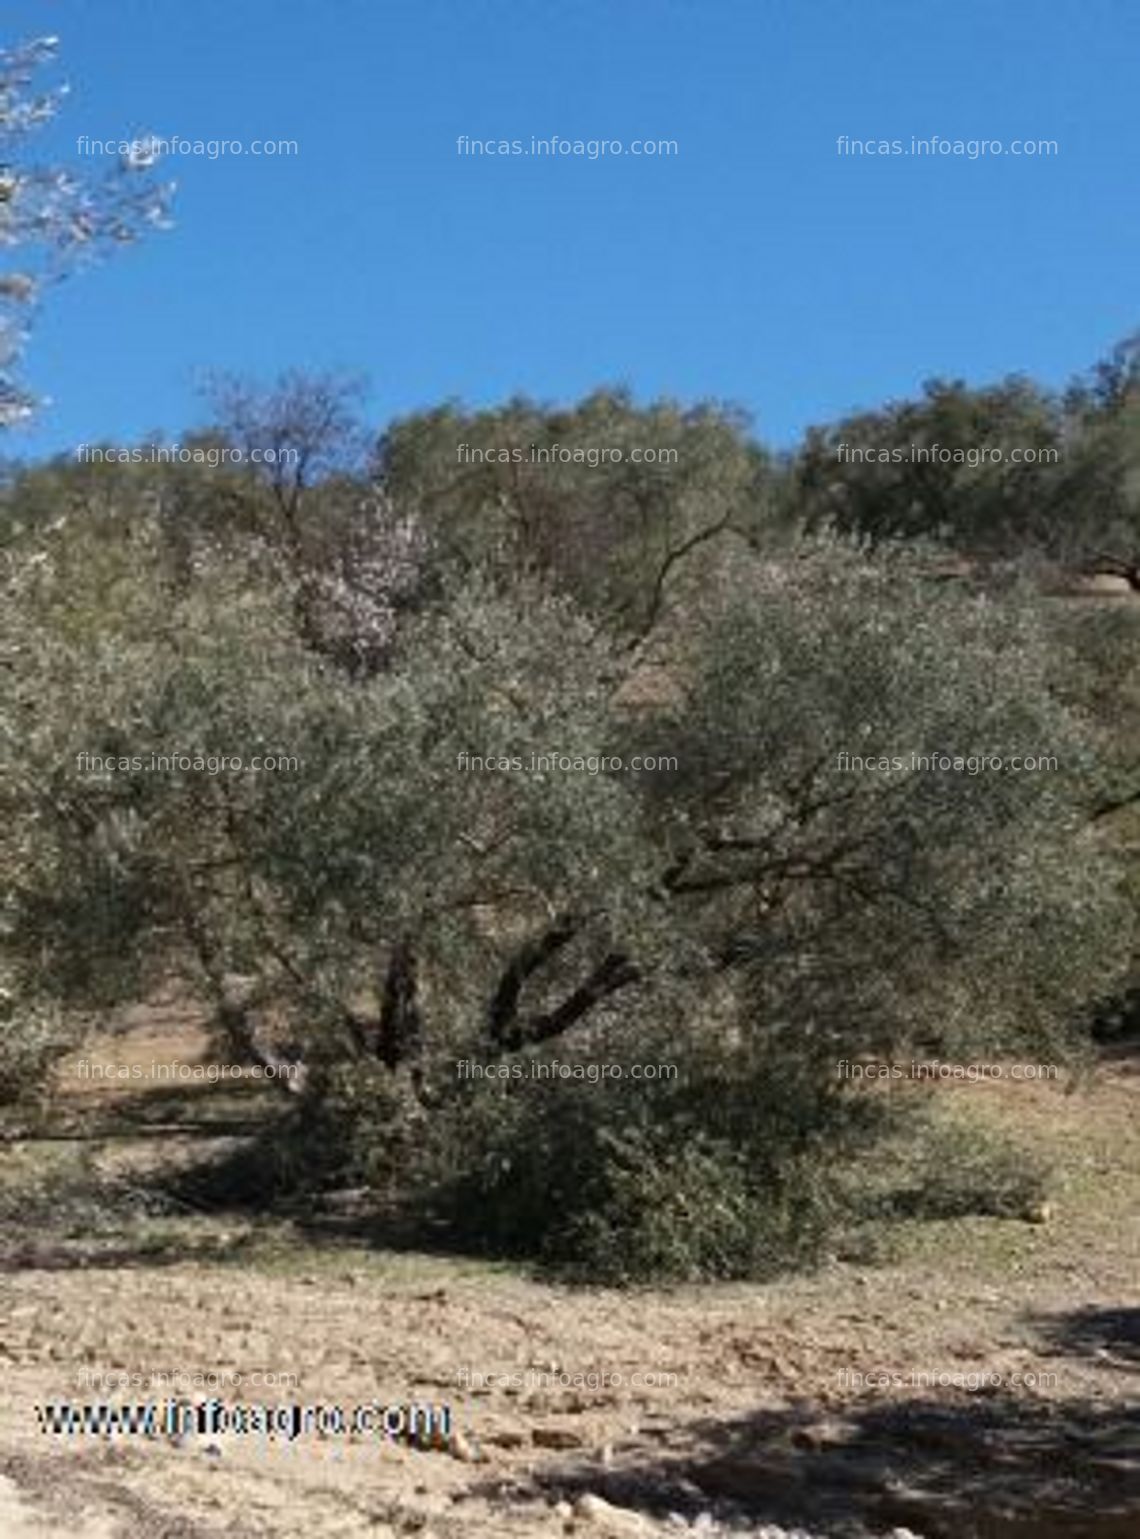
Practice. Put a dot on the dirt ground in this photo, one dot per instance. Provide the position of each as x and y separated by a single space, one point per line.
723 1409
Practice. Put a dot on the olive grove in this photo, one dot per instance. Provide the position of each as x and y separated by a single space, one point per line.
429 883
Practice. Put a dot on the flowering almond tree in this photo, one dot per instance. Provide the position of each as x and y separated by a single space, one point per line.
51 218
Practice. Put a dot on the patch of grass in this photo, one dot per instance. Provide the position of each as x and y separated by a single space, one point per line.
949 1167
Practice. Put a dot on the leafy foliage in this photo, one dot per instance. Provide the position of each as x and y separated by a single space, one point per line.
1004 472
414 887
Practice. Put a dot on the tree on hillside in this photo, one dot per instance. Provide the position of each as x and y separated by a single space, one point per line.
927 468
1099 497
351 561
51 219
1005 472
605 497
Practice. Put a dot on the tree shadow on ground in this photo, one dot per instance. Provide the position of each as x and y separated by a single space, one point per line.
1114 1024
85 1221
63 1254
252 1179
1111 1336
971 1467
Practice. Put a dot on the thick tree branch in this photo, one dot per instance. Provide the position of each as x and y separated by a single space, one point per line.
534 954
400 1034
1113 804
615 972
672 557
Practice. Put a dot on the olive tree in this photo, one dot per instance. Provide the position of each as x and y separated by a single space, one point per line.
1005 472
418 888
607 497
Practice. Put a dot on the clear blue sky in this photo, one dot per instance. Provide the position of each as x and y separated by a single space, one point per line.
756 266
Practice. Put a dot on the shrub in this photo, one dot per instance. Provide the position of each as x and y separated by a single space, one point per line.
946 1169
